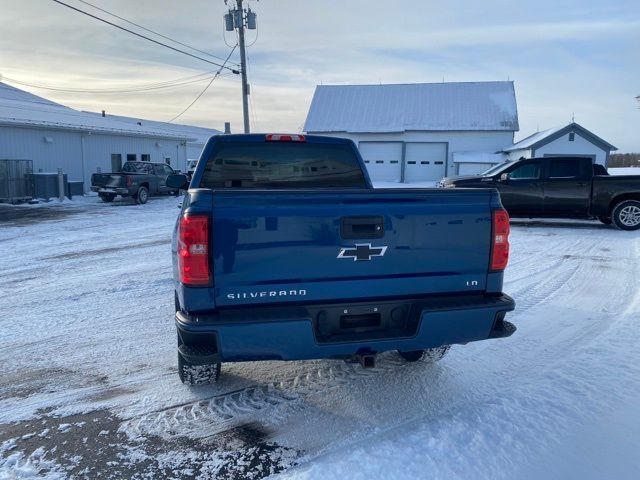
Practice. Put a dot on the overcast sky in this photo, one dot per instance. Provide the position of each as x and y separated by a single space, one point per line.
566 57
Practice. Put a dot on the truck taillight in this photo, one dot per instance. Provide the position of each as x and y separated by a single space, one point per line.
193 250
277 137
129 181
500 238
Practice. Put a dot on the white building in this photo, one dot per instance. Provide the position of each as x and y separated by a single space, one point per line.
571 140
419 132
198 136
81 143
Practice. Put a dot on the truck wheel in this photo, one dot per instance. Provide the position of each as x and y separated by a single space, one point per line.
142 196
197 374
107 197
626 215
430 355
605 220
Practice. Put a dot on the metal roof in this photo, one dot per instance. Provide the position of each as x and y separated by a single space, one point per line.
198 134
539 139
20 108
460 106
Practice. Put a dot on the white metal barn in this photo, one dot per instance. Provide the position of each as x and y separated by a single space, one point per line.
81 143
571 140
417 132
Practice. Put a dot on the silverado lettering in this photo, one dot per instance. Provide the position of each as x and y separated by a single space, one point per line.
271 293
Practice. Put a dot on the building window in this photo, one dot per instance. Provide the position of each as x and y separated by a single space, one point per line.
145 157
167 160
131 157
572 136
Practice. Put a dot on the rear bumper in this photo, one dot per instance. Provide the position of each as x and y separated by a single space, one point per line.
117 191
291 334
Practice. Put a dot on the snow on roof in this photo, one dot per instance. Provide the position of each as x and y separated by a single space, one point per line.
420 106
546 136
531 140
9 93
21 108
198 134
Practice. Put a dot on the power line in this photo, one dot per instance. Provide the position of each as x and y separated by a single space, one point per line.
145 37
128 89
205 88
152 31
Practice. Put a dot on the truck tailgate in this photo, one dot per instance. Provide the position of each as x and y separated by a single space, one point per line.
110 180
282 246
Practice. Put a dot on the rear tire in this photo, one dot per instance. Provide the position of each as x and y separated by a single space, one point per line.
626 215
142 196
430 355
107 197
606 220
198 374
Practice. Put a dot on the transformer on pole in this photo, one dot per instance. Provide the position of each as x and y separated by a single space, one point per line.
239 19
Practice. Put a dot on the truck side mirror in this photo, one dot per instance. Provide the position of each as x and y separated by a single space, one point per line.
177 180
504 177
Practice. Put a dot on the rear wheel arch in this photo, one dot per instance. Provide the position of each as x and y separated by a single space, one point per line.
142 195
621 198
626 215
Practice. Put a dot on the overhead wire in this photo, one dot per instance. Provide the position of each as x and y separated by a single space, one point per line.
152 31
205 88
125 89
145 37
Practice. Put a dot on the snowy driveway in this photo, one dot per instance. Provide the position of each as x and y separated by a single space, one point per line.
88 383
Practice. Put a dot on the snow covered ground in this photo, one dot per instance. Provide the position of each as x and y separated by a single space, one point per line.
88 383
624 171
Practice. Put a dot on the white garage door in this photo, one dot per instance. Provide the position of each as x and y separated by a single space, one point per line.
425 162
382 159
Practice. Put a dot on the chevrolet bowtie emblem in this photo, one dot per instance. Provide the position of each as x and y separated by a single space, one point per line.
362 251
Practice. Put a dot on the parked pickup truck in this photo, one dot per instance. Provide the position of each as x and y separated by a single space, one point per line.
284 251
136 179
570 187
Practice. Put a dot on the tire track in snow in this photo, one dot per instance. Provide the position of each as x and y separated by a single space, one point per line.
540 290
208 417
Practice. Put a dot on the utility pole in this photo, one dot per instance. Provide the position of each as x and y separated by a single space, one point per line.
237 20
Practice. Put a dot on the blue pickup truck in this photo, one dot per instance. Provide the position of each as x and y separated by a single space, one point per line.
284 251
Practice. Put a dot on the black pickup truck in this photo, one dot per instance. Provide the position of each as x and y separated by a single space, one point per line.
136 179
563 187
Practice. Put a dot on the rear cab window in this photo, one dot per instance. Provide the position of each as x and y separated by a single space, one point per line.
137 167
565 167
282 165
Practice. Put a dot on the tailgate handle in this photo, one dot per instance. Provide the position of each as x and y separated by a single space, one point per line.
361 227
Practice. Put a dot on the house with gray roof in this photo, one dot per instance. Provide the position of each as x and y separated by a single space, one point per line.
570 140
412 133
